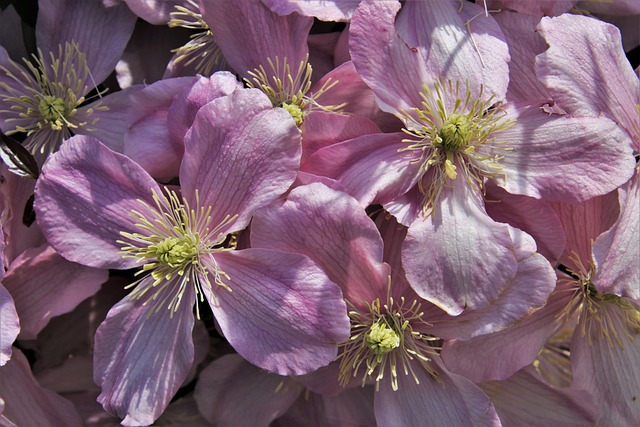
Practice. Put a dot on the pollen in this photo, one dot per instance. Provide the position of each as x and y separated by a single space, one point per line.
291 90
176 246
451 134
386 339
43 100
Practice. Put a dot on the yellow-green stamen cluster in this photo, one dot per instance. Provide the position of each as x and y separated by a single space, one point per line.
450 131
202 51
291 91
47 110
383 341
172 243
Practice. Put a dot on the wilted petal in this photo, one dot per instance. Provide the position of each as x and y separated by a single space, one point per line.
44 285
83 200
143 353
282 313
229 380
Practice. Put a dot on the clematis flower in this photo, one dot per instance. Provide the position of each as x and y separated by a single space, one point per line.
392 344
47 99
278 310
457 136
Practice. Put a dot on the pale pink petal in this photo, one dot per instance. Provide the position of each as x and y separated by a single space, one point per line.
143 353
620 7
101 31
148 139
369 167
587 71
231 379
84 197
524 44
157 12
44 285
525 400
335 10
268 36
564 158
452 401
536 8
9 325
458 258
608 368
533 216
334 231
617 251
526 292
28 404
113 123
282 313
241 154
322 129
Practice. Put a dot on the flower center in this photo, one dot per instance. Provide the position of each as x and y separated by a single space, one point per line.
291 91
384 339
452 131
43 104
176 245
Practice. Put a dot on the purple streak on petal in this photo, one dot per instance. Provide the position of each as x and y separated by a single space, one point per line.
148 140
564 158
587 72
241 154
28 404
454 402
83 200
9 325
102 32
617 251
458 258
44 285
334 231
231 379
282 313
268 36
142 356
369 167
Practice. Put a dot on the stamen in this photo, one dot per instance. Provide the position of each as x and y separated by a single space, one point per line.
172 246
451 133
46 108
291 91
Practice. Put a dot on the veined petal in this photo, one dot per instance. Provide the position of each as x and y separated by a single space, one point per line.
44 285
453 401
142 356
564 158
101 31
229 380
83 200
9 325
618 271
335 10
458 258
587 72
240 154
268 36
334 231
28 404
282 313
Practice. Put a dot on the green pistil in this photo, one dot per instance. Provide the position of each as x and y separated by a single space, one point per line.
382 338
173 252
295 111
455 132
53 111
